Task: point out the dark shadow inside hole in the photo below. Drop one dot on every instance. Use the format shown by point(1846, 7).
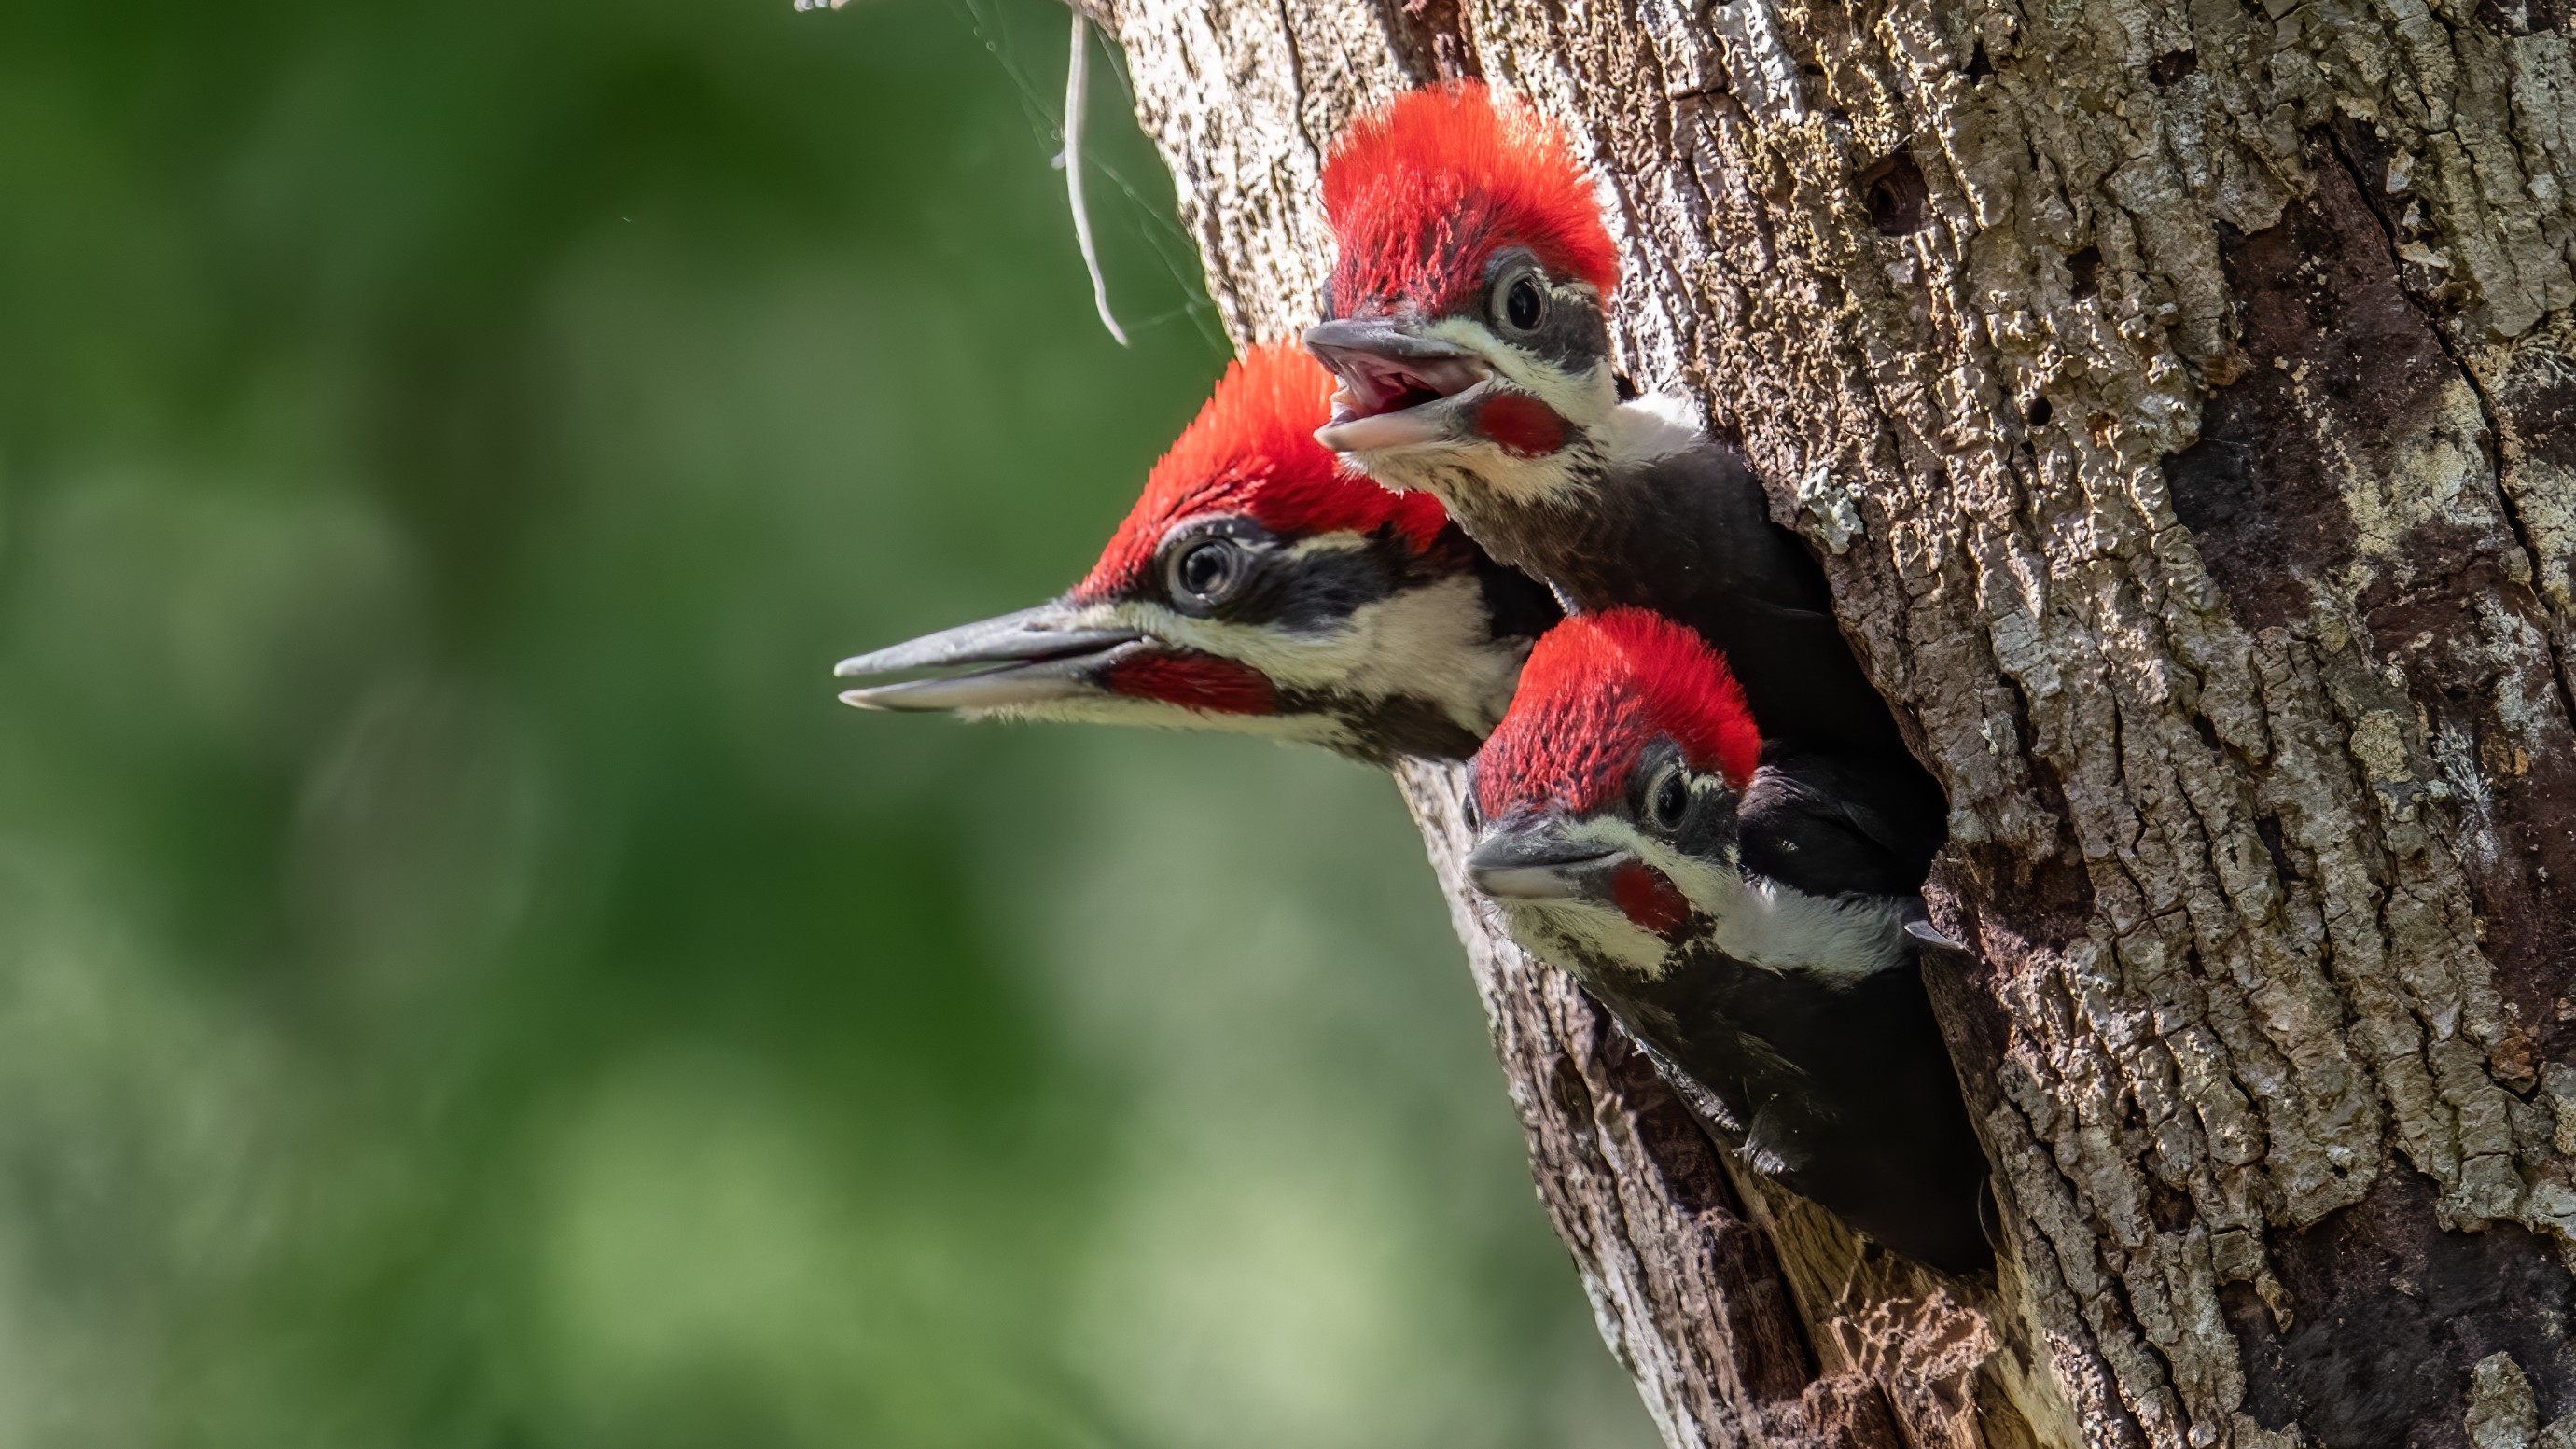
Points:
point(1897, 199)
point(2277, 845)
point(2039, 412)
point(2172, 66)
point(1979, 67)
point(2085, 267)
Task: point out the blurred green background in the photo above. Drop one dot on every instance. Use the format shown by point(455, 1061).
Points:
point(464, 981)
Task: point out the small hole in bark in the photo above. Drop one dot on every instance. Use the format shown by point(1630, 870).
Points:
point(1627, 387)
point(2172, 66)
point(1573, 1098)
point(2208, 732)
point(2038, 413)
point(2276, 845)
point(1895, 193)
point(1978, 66)
point(2086, 268)
point(2168, 1206)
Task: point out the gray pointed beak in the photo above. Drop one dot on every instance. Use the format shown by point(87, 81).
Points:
point(1384, 337)
point(1045, 632)
point(1398, 389)
point(1534, 861)
point(1035, 656)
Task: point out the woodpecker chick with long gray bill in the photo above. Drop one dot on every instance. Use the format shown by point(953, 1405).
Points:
point(1744, 911)
point(1466, 317)
point(1254, 587)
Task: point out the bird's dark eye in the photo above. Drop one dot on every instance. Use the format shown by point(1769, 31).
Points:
point(1669, 800)
point(1524, 303)
point(1207, 571)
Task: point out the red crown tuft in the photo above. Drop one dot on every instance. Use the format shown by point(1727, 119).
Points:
point(1421, 192)
point(1252, 450)
point(1597, 690)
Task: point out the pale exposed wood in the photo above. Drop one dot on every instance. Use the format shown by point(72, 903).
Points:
point(2183, 398)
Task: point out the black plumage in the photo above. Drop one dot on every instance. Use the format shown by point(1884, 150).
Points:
point(1840, 1091)
point(1743, 914)
point(1688, 535)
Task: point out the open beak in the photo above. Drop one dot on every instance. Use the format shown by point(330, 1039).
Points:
point(1532, 860)
point(1036, 656)
point(1398, 389)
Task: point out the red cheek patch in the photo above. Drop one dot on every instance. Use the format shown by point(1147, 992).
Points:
point(1521, 423)
point(1645, 897)
point(1194, 681)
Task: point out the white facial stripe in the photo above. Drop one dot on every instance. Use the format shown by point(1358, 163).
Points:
point(1759, 921)
point(1458, 469)
point(1655, 426)
point(1579, 933)
point(1584, 399)
point(1582, 937)
point(1763, 923)
point(1341, 541)
point(1462, 472)
point(1769, 925)
point(1434, 642)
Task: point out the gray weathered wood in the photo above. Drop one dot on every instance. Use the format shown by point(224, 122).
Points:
point(2182, 395)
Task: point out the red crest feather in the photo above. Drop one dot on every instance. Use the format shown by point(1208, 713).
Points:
point(1597, 690)
point(1252, 450)
point(1422, 191)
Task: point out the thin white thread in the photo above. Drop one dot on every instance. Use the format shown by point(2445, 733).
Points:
point(1077, 79)
point(1172, 247)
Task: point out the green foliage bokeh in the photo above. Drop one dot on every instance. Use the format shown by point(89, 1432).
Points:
point(463, 979)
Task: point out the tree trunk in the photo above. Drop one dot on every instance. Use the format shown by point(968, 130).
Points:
point(2182, 397)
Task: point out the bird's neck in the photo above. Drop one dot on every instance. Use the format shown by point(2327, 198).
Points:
point(1778, 928)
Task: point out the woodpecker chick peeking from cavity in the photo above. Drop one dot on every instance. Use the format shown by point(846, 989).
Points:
point(1743, 909)
point(1466, 313)
point(1254, 587)
point(1466, 318)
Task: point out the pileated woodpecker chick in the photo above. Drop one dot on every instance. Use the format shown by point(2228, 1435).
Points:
point(1466, 319)
point(1258, 588)
point(1743, 910)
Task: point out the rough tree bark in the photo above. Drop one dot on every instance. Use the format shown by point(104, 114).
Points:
point(2182, 396)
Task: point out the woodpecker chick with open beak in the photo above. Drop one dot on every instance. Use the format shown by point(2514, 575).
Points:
point(1466, 314)
point(1744, 911)
point(1254, 587)
point(1466, 317)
